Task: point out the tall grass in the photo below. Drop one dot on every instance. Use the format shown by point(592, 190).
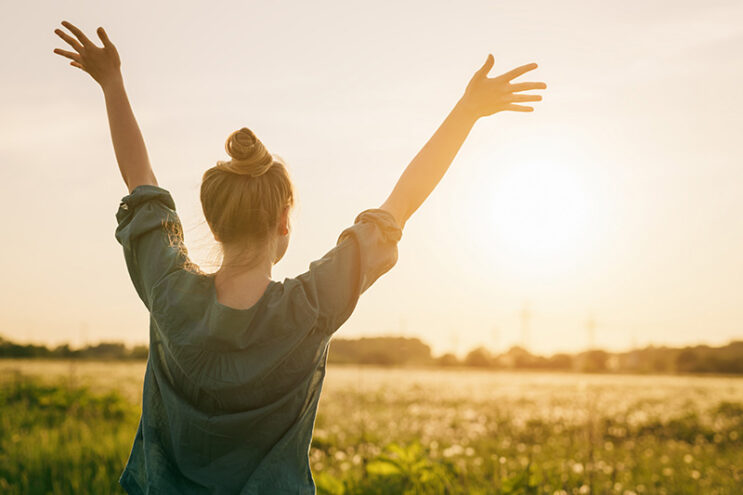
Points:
point(421, 432)
point(62, 439)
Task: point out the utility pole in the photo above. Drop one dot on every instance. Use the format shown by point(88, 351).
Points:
point(525, 320)
point(591, 331)
point(83, 334)
point(455, 343)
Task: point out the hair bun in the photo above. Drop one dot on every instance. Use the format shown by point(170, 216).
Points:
point(249, 155)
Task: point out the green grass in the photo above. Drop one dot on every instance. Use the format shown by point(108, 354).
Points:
point(62, 439)
point(392, 431)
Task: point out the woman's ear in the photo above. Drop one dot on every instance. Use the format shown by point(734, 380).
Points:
point(284, 222)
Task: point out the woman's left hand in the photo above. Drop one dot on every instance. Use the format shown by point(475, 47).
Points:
point(486, 96)
point(102, 63)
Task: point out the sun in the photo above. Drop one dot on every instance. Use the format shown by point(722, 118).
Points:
point(540, 212)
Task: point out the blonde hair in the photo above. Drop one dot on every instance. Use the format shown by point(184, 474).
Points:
point(243, 198)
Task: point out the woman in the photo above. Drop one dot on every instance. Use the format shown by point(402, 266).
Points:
point(237, 360)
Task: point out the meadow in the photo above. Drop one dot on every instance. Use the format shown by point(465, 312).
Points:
point(67, 427)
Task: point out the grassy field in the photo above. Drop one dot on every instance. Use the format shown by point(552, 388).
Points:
point(68, 427)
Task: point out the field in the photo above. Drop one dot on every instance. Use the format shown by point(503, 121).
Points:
point(67, 428)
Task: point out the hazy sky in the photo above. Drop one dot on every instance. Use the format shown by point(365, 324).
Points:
point(619, 197)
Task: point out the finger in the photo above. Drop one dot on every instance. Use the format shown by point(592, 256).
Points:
point(79, 34)
point(70, 55)
point(104, 37)
point(518, 108)
point(483, 71)
point(70, 40)
point(78, 65)
point(512, 74)
point(526, 98)
point(526, 86)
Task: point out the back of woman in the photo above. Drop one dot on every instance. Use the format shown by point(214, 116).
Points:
point(237, 359)
point(230, 395)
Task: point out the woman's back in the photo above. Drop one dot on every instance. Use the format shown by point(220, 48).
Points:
point(230, 394)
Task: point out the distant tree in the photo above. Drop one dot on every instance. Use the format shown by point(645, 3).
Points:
point(139, 352)
point(63, 351)
point(561, 362)
point(448, 359)
point(519, 357)
point(380, 350)
point(594, 361)
point(687, 360)
point(106, 350)
point(479, 357)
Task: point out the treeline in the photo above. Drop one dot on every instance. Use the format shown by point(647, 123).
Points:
point(103, 350)
point(402, 351)
point(726, 359)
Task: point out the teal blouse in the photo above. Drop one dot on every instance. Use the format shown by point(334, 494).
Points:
point(230, 395)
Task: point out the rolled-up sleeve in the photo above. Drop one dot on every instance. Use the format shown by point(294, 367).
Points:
point(363, 253)
point(151, 234)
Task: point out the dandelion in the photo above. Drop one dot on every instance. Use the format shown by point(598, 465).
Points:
point(452, 451)
point(688, 458)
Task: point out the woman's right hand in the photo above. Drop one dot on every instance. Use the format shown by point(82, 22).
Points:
point(486, 96)
point(102, 63)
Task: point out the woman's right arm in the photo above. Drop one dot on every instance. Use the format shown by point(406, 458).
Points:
point(483, 96)
point(104, 65)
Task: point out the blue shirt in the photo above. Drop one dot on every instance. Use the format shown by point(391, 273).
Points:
point(230, 395)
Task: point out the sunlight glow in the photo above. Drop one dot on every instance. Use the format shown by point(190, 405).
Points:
point(541, 211)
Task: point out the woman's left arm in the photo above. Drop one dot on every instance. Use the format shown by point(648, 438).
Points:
point(104, 65)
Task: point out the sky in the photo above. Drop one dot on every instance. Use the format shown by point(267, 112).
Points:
point(616, 201)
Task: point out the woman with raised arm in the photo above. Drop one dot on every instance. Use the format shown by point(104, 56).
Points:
point(237, 360)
